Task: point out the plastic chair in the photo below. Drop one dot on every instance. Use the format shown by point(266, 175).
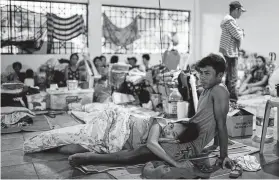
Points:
point(269, 104)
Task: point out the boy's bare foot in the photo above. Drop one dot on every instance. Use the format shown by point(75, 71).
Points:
point(77, 159)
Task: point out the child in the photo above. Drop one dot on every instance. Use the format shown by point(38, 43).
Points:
point(29, 78)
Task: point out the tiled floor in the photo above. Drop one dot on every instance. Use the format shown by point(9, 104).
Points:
point(15, 165)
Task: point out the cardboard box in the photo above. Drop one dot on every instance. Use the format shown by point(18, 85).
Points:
point(240, 123)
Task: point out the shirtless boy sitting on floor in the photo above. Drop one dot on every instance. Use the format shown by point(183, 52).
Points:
point(211, 115)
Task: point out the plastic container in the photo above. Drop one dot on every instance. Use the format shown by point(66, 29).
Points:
point(174, 98)
point(59, 99)
point(37, 101)
point(72, 84)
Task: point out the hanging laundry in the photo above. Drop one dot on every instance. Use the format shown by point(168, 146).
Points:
point(120, 36)
point(19, 34)
point(171, 59)
point(65, 29)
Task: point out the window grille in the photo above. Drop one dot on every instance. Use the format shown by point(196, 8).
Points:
point(172, 22)
point(21, 19)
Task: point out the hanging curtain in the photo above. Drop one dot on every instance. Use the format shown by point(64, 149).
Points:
point(63, 29)
point(15, 29)
point(120, 36)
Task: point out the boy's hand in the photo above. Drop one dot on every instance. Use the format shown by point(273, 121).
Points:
point(209, 149)
point(224, 161)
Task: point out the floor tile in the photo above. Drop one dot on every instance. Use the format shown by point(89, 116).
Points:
point(46, 156)
point(271, 170)
point(95, 176)
point(23, 171)
point(11, 135)
point(14, 157)
point(56, 169)
point(11, 143)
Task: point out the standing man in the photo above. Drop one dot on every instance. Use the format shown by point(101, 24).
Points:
point(231, 38)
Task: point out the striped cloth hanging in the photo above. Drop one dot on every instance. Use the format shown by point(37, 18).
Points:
point(65, 29)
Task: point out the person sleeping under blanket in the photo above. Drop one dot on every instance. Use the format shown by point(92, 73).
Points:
point(210, 118)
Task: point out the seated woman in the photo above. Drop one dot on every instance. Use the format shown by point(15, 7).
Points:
point(72, 71)
point(101, 67)
point(16, 76)
point(257, 79)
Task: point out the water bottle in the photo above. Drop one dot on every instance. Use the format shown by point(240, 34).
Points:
point(259, 126)
point(174, 98)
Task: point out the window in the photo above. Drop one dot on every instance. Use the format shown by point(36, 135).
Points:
point(133, 30)
point(26, 28)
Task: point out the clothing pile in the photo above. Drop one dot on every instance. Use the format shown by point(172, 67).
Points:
point(16, 117)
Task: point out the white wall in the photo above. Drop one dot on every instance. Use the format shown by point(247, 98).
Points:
point(260, 23)
point(95, 30)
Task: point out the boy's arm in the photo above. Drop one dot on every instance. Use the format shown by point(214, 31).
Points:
point(154, 146)
point(221, 108)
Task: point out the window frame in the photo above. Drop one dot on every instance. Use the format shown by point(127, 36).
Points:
point(161, 32)
point(55, 42)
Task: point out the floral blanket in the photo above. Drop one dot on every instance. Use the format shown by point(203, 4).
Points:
point(106, 131)
point(139, 119)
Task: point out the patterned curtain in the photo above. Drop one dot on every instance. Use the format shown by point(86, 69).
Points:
point(120, 36)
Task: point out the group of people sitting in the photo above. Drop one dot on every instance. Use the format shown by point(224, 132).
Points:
point(18, 76)
point(72, 71)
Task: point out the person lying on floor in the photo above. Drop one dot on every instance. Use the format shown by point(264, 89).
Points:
point(210, 118)
point(257, 79)
point(108, 128)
